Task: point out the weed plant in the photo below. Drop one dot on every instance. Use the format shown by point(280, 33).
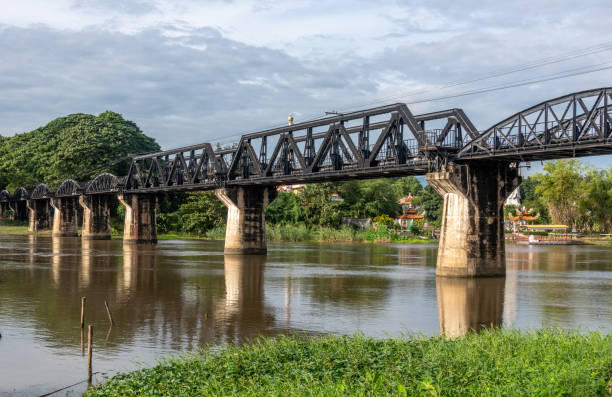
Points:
point(492, 363)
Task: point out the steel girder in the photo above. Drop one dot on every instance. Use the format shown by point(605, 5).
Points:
point(68, 188)
point(195, 165)
point(387, 140)
point(577, 124)
point(103, 183)
point(41, 191)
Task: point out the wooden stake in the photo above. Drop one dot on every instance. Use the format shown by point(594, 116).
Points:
point(89, 351)
point(82, 343)
point(83, 311)
point(110, 316)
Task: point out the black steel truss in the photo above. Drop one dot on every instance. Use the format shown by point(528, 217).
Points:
point(573, 125)
point(41, 191)
point(68, 188)
point(383, 141)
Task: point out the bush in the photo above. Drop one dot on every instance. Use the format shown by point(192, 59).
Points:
point(493, 363)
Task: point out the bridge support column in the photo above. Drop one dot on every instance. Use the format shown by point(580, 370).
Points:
point(65, 216)
point(140, 219)
point(96, 216)
point(246, 220)
point(4, 207)
point(472, 232)
point(19, 211)
point(39, 215)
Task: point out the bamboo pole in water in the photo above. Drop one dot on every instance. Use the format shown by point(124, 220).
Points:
point(110, 316)
point(83, 298)
point(89, 351)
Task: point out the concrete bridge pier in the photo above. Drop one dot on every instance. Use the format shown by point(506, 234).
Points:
point(140, 217)
point(472, 232)
point(4, 207)
point(96, 216)
point(39, 215)
point(246, 220)
point(65, 216)
point(19, 211)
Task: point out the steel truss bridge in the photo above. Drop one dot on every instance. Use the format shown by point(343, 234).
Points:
point(378, 142)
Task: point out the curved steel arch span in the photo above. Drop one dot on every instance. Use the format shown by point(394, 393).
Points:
point(21, 194)
point(41, 191)
point(103, 183)
point(67, 188)
point(577, 124)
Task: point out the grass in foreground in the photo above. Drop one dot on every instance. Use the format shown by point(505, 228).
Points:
point(508, 363)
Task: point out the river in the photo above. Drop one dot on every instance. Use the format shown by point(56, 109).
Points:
point(180, 294)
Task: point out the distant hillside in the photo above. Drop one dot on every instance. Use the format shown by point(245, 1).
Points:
point(77, 146)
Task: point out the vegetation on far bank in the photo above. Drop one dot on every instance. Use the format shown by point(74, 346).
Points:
point(497, 363)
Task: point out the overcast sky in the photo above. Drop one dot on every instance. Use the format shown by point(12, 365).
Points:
point(204, 71)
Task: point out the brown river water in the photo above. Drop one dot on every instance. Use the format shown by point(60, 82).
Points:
point(181, 294)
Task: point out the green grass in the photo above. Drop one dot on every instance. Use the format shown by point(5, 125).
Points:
point(492, 363)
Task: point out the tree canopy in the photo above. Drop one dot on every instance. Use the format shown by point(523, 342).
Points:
point(77, 146)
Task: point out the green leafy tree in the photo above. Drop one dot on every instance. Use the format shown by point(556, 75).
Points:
point(78, 146)
point(595, 202)
point(318, 206)
point(406, 185)
point(533, 201)
point(286, 208)
point(369, 198)
point(201, 212)
point(560, 189)
point(431, 202)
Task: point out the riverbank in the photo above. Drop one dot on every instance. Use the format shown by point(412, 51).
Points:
point(510, 363)
point(292, 233)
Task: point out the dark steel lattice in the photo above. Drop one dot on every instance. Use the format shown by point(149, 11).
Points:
point(41, 191)
point(573, 125)
point(21, 194)
point(103, 183)
point(68, 188)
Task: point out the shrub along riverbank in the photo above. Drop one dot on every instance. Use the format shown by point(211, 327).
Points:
point(275, 233)
point(508, 363)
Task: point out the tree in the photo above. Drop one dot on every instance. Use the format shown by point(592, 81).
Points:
point(318, 207)
point(560, 189)
point(595, 202)
point(532, 201)
point(286, 208)
point(406, 185)
point(369, 198)
point(202, 212)
point(432, 203)
point(78, 146)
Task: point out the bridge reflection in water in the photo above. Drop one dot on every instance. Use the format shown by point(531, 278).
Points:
point(179, 295)
point(469, 304)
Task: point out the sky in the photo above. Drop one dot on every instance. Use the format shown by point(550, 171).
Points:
point(191, 71)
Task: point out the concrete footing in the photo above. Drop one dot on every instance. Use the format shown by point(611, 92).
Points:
point(472, 232)
point(39, 215)
point(140, 217)
point(246, 221)
point(65, 217)
point(96, 216)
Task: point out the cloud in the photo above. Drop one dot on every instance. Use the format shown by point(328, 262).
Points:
point(190, 72)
